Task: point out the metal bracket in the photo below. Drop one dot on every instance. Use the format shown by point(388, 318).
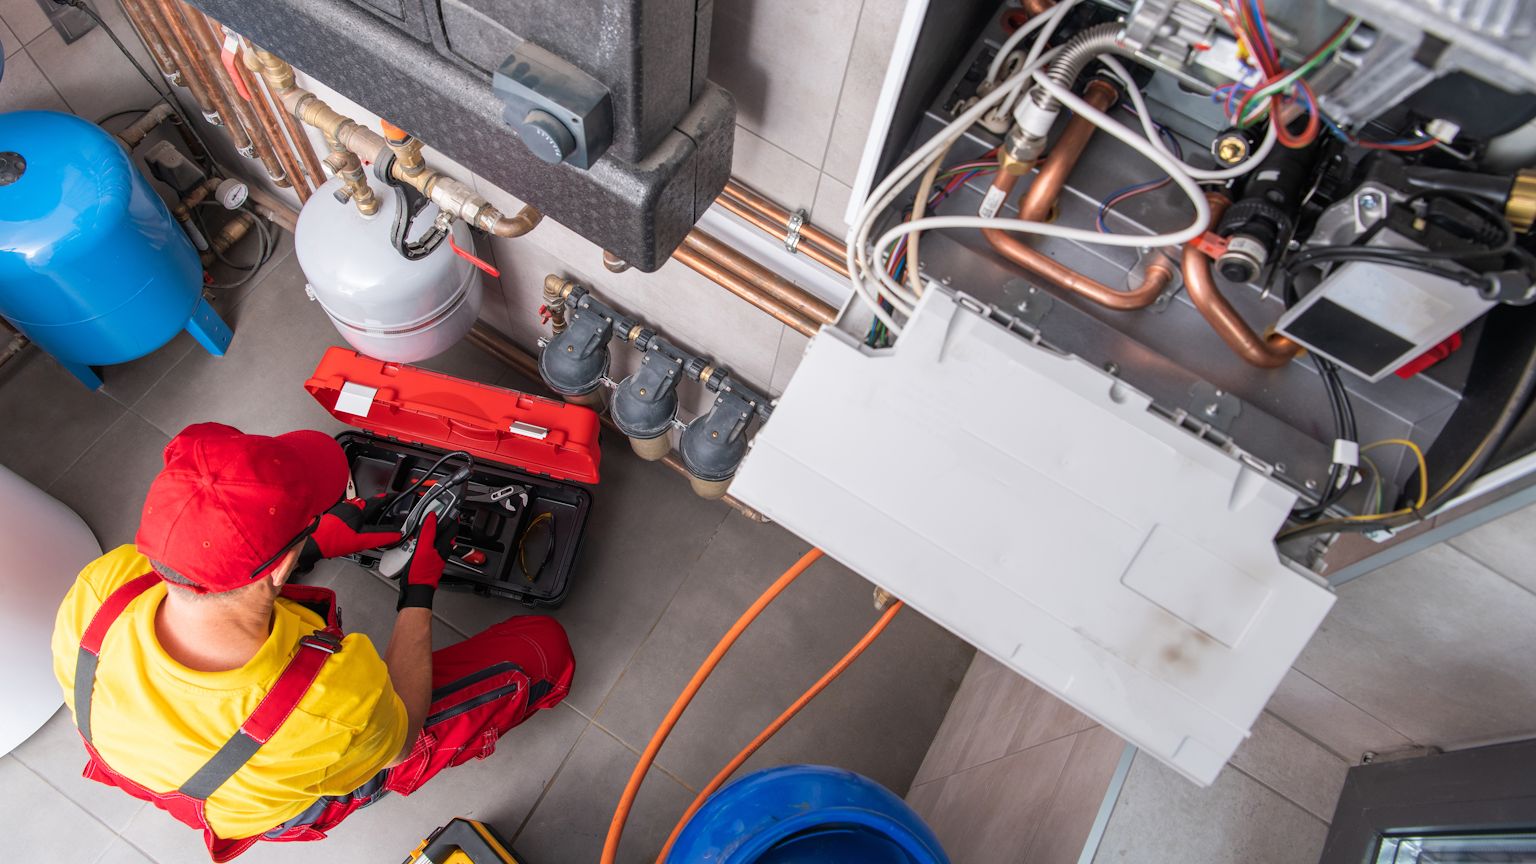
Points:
point(1033, 304)
point(1138, 272)
point(1213, 406)
point(797, 221)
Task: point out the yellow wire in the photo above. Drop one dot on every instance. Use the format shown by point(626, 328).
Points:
point(1418, 454)
point(1405, 511)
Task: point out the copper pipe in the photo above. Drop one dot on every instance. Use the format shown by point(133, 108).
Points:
point(1038, 7)
point(274, 209)
point(298, 141)
point(266, 119)
point(181, 51)
point(773, 211)
point(1037, 204)
point(767, 282)
point(490, 340)
point(154, 40)
point(196, 27)
point(1055, 168)
point(1266, 352)
point(689, 256)
point(834, 261)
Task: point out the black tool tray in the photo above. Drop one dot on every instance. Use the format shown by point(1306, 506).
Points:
point(381, 465)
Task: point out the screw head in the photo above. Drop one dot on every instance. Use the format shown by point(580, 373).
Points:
point(1311, 484)
point(1112, 368)
point(1230, 149)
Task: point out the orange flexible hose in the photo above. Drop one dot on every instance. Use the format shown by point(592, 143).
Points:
point(772, 728)
point(627, 800)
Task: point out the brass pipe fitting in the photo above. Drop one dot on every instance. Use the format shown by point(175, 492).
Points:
point(1520, 207)
point(451, 196)
point(613, 263)
point(300, 143)
point(345, 164)
point(1036, 207)
point(556, 289)
point(228, 236)
point(1266, 352)
point(406, 147)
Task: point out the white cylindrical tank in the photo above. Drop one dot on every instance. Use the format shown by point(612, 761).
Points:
point(385, 305)
point(43, 547)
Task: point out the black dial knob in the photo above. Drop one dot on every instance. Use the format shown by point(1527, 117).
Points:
point(546, 136)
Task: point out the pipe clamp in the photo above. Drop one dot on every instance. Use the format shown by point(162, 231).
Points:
point(792, 238)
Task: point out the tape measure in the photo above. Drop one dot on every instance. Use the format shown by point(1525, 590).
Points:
point(463, 841)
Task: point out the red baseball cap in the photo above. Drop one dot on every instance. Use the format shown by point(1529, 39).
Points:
point(227, 504)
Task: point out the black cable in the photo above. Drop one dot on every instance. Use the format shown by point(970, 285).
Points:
point(101, 121)
point(81, 5)
point(1514, 408)
point(1339, 475)
point(430, 471)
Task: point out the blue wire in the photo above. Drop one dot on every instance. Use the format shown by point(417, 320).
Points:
point(1263, 27)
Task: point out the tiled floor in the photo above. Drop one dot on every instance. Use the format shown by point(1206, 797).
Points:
point(661, 574)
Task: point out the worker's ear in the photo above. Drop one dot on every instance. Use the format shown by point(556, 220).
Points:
point(285, 567)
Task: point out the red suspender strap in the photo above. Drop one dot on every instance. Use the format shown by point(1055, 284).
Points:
point(90, 645)
point(264, 722)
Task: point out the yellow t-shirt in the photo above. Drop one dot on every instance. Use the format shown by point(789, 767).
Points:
point(156, 721)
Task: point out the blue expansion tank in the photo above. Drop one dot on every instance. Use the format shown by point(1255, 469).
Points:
point(93, 268)
point(806, 814)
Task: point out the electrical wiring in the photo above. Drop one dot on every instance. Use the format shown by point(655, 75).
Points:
point(1373, 503)
point(267, 244)
point(1119, 131)
point(1418, 453)
point(1401, 145)
point(1139, 103)
point(1340, 475)
point(1000, 59)
point(863, 272)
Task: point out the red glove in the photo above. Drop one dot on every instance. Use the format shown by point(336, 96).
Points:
point(425, 571)
point(340, 532)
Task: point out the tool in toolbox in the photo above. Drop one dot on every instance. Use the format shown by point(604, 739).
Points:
point(464, 841)
point(532, 456)
point(512, 498)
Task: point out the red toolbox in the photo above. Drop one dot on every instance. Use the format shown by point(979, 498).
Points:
point(522, 545)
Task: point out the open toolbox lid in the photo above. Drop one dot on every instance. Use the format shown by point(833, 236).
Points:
point(409, 404)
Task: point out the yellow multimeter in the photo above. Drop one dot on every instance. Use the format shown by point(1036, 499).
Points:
point(463, 841)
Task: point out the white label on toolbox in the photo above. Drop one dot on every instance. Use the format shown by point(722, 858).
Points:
point(528, 430)
point(356, 399)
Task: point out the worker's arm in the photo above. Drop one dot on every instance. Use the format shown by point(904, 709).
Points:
point(409, 658)
point(409, 655)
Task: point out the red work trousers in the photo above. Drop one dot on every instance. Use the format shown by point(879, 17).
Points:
point(481, 688)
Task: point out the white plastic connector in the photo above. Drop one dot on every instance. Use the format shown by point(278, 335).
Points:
point(1346, 453)
point(1036, 122)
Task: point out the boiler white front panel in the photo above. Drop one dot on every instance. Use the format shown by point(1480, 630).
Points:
point(1032, 504)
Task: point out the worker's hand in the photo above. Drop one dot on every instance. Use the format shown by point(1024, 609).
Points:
point(340, 532)
point(433, 546)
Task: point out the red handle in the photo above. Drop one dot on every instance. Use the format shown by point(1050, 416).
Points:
point(470, 257)
point(228, 56)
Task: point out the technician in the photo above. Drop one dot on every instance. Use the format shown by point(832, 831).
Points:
point(205, 683)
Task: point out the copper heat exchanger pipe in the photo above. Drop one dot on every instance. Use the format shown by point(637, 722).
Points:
point(1036, 207)
point(180, 50)
point(1268, 352)
point(268, 129)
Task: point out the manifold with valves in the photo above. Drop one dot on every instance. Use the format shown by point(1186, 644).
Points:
point(1187, 310)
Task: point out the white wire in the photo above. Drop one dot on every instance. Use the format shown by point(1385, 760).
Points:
point(1142, 145)
point(1001, 58)
point(858, 258)
point(1271, 135)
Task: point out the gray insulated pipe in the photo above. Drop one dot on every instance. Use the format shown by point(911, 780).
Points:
point(1075, 57)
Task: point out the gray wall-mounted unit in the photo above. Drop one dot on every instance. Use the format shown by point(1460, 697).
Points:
point(595, 111)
